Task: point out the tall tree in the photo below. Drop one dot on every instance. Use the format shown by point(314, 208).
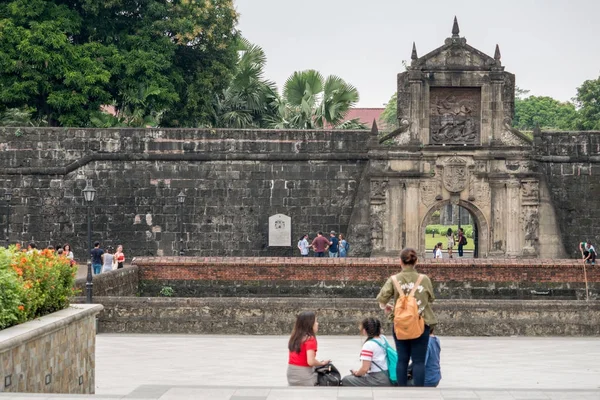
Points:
point(250, 100)
point(588, 102)
point(545, 112)
point(311, 101)
point(390, 115)
point(66, 58)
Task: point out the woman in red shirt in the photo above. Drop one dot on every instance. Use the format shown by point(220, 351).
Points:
point(303, 351)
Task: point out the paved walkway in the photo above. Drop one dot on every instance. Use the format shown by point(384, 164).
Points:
point(253, 368)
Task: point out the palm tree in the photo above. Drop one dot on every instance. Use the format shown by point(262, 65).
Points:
point(250, 100)
point(310, 101)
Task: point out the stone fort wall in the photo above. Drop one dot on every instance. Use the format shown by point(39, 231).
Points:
point(570, 163)
point(234, 180)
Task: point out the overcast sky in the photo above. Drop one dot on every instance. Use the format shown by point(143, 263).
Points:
point(551, 45)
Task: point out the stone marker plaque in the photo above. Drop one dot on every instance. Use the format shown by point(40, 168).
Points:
point(455, 115)
point(280, 231)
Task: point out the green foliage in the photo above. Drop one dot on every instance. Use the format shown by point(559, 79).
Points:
point(442, 229)
point(588, 102)
point(33, 284)
point(166, 291)
point(545, 112)
point(390, 115)
point(310, 101)
point(65, 59)
point(250, 101)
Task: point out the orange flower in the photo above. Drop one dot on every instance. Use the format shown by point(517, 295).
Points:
point(21, 308)
point(27, 285)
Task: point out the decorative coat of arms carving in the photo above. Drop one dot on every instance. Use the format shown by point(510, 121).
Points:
point(455, 175)
point(428, 193)
point(530, 192)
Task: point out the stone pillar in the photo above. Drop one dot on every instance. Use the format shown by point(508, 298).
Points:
point(530, 221)
point(411, 214)
point(513, 219)
point(379, 191)
point(417, 134)
point(394, 224)
point(498, 220)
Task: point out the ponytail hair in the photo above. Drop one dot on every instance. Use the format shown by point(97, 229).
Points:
point(372, 326)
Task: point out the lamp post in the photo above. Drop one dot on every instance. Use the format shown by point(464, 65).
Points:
point(180, 201)
point(7, 197)
point(89, 193)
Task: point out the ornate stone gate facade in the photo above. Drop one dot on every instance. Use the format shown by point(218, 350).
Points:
point(456, 145)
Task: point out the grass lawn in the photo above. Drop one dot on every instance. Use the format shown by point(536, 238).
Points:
point(430, 243)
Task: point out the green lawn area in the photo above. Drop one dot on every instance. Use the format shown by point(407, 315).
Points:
point(430, 242)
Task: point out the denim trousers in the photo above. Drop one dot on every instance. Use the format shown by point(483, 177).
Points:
point(415, 349)
point(460, 250)
point(97, 268)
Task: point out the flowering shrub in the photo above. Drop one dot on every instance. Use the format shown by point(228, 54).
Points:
point(33, 284)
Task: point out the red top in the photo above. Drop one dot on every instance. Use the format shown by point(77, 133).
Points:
point(300, 359)
point(320, 243)
point(121, 257)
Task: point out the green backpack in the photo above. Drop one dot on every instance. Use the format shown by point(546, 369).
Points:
point(392, 360)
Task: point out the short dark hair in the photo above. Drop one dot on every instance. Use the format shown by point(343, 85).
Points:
point(32, 245)
point(320, 233)
point(96, 244)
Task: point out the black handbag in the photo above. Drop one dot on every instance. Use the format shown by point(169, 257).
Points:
point(328, 375)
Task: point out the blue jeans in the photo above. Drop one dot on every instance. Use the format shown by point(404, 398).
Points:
point(97, 268)
point(319, 254)
point(415, 349)
point(334, 255)
point(460, 250)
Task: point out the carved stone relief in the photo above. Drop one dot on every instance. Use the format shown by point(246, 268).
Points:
point(455, 175)
point(428, 192)
point(480, 192)
point(530, 192)
point(455, 115)
point(379, 190)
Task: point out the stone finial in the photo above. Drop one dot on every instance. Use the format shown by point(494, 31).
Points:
point(414, 56)
point(497, 54)
point(374, 129)
point(455, 29)
point(536, 130)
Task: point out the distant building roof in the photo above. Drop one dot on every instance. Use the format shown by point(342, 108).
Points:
point(366, 115)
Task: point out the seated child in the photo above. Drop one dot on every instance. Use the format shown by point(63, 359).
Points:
point(374, 367)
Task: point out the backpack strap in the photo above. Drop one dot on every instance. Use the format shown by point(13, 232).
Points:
point(397, 286)
point(417, 283)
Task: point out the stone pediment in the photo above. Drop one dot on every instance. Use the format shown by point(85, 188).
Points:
point(456, 54)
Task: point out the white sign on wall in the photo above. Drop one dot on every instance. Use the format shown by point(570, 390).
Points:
point(280, 231)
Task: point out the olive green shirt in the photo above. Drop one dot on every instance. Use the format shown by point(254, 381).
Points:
point(424, 294)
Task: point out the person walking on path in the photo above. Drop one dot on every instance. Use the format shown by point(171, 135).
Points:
point(320, 245)
point(97, 254)
point(450, 240)
point(462, 240)
point(373, 356)
point(333, 245)
point(410, 282)
point(303, 246)
point(302, 348)
point(120, 257)
point(108, 260)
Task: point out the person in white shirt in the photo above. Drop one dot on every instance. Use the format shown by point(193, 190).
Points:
point(373, 370)
point(303, 246)
point(438, 250)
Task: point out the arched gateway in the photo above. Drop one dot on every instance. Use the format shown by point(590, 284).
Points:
point(456, 145)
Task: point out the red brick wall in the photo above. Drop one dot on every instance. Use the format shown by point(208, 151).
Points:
point(360, 269)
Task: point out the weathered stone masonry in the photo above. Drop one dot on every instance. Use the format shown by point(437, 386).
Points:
point(233, 181)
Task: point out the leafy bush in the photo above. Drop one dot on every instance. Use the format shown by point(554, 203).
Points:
point(33, 284)
point(167, 291)
point(442, 229)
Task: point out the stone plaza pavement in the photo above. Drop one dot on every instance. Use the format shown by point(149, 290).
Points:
point(253, 367)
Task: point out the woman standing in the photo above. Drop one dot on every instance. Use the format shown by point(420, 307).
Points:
point(415, 349)
point(120, 257)
point(343, 246)
point(461, 241)
point(373, 370)
point(450, 240)
point(108, 260)
point(303, 351)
